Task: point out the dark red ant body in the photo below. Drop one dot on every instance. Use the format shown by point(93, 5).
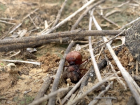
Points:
point(74, 59)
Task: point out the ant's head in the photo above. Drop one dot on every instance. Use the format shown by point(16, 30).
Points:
point(74, 58)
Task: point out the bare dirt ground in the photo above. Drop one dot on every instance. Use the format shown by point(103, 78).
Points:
point(21, 89)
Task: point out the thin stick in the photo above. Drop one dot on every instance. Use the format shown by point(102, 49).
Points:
point(101, 65)
point(18, 25)
point(109, 40)
point(129, 80)
point(129, 23)
point(114, 98)
point(48, 96)
point(71, 91)
point(43, 88)
point(118, 79)
point(74, 88)
point(20, 61)
point(93, 88)
point(75, 34)
point(108, 20)
point(101, 94)
point(137, 67)
point(7, 18)
point(15, 27)
point(112, 12)
point(58, 74)
point(94, 63)
point(71, 16)
point(7, 22)
point(59, 13)
point(33, 22)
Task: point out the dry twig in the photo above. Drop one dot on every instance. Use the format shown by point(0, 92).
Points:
point(71, 16)
point(59, 13)
point(109, 40)
point(44, 87)
point(101, 94)
point(74, 33)
point(19, 24)
point(92, 89)
point(58, 74)
point(7, 22)
point(48, 96)
point(85, 13)
point(20, 61)
point(118, 79)
point(94, 63)
point(110, 21)
point(129, 23)
point(74, 88)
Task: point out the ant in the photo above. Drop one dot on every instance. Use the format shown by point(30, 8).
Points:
point(74, 58)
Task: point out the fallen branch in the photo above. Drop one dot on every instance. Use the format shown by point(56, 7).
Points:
point(74, 33)
point(37, 44)
point(15, 46)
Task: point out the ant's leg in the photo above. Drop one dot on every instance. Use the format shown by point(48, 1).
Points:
point(83, 69)
point(66, 66)
point(85, 61)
